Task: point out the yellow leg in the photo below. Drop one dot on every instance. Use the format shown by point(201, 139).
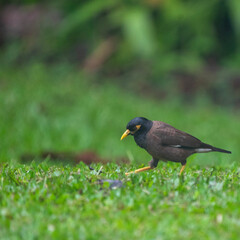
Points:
point(139, 170)
point(183, 167)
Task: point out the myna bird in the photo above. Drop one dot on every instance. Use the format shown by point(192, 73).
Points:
point(164, 142)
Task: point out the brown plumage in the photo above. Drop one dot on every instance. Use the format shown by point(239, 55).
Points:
point(164, 142)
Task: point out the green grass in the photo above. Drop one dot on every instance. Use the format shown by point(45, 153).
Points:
point(60, 109)
point(56, 202)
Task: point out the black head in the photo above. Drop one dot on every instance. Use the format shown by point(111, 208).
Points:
point(136, 126)
point(136, 122)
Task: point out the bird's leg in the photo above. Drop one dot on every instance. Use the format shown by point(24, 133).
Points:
point(182, 169)
point(153, 163)
point(138, 170)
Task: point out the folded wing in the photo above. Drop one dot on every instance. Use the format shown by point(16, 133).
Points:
point(173, 137)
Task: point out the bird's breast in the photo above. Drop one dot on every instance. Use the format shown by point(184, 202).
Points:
point(140, 139)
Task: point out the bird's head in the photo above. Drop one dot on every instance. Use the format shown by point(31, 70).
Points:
point(138, 124)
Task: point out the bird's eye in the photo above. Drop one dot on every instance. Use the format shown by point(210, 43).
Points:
point(135, 128)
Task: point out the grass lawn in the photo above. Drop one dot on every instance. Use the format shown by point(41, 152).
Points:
point(57, 108)
point(45, 202)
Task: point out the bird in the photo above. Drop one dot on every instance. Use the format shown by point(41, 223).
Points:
point(164, 142)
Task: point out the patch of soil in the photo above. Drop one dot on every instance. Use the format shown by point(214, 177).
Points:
point(87, 157)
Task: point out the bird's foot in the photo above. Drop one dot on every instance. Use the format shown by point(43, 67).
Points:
point(138, 170)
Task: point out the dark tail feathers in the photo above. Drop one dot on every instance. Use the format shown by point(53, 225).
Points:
point(204, 145)
point(220, 150)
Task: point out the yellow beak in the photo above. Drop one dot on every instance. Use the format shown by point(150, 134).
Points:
point(125, 134)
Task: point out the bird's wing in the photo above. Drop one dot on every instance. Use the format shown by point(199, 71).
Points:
point(171, 136)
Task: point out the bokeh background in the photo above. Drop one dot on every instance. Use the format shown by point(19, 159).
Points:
point(73, 73)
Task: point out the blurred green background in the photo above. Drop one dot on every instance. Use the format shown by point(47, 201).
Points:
point(73, 73)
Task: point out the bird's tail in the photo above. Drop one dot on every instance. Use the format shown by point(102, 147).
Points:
point(215, 149)
point(220, 150)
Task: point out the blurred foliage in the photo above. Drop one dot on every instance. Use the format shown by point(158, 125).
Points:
point(178, 32)
point(146, 39)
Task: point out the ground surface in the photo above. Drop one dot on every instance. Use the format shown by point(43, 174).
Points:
point(57, 109)
point(46, 202)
